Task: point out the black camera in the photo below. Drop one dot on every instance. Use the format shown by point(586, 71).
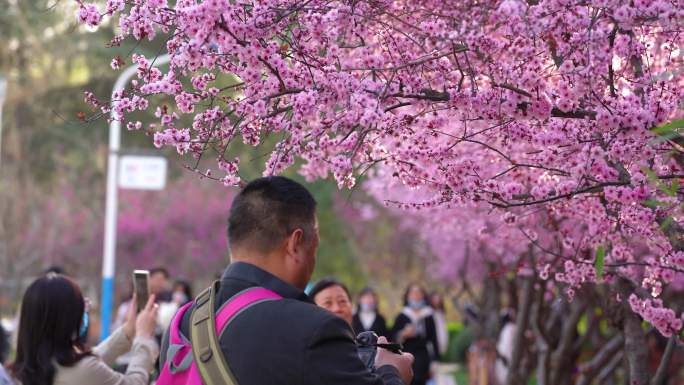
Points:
point(367, 343)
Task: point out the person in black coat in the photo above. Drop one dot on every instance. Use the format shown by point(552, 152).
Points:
point(273, 237)
point(415, 328)
point(4, 345)
point(367, 317)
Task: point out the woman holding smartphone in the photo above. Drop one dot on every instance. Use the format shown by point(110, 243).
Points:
point(52, 328)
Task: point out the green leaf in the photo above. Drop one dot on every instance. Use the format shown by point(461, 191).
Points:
point(668, 131)
point(673, 188)
point(652, 176)
point(652, 203)
point(666, 223)
point(598, 262)
point(674, 125)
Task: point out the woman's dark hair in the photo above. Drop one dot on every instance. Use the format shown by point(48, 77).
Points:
point(51, 316)
point(408, 289)
point(4, 345)
point(326, 283)
point(440, 305)
point(160, 270)
point(364, 292)
point(187, 289)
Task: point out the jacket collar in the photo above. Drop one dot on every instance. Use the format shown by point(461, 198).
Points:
point(416, 316)
point(243, 271)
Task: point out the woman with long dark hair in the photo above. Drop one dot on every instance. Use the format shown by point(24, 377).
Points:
point(414, 327)
point(50, 344)
point(367, 316)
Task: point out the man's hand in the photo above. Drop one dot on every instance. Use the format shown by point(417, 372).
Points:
point(403, 362)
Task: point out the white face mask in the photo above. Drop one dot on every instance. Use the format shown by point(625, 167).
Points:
point(179, 297)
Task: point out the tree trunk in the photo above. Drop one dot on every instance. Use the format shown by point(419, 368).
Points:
point(635, 349)
point(635, 340)
point(490, 309)
point(561, 358)
point(521, 323)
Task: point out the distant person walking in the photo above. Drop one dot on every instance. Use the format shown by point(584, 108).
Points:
point(504, 346)
point(367, 316)
point(414, 327)
point(50, 347)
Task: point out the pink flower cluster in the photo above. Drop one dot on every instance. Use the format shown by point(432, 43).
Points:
point(89, 14)
point(525, 124)
point(652, 310)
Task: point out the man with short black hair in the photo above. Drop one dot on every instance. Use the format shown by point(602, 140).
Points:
point(273, 237)
point(159, 284)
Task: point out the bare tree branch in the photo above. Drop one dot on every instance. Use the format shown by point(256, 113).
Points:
point(664, 362)
point(592, 368)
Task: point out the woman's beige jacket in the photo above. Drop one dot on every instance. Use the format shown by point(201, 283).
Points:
point(96, 369)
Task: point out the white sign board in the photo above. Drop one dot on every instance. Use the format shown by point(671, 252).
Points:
point(142, 172)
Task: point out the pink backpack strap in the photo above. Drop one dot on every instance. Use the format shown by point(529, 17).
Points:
point(240, 302)
point(177, 357)
point(174, 331)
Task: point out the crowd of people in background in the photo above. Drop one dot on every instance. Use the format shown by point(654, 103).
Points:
point(274, 254)
point(420, 326)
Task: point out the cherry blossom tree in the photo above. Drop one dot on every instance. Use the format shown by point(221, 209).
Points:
point(554, 120)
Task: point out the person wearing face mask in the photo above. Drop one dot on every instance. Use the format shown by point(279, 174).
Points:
point(182, 293)
point(367, 317)
point(52, 331)
point(415, 328)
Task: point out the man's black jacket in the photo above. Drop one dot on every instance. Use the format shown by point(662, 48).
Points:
point(289, 341)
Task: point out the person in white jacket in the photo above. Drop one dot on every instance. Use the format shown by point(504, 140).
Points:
point(504, 346)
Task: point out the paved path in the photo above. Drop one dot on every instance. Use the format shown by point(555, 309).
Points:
point(444, 374)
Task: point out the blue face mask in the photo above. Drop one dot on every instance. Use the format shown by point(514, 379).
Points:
point(367, 307)
point(416, 304)
point(84, 325)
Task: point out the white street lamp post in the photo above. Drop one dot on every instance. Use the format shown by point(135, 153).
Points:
point(109, 251)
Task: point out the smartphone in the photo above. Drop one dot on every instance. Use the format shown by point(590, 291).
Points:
point(141, 286)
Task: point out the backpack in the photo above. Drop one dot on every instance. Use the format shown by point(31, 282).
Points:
point(202, 362)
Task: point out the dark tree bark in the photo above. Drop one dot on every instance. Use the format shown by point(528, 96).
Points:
point(491, 307)
point(635, 340)
point(561, 361)
point(521, 322)
point(664, 365)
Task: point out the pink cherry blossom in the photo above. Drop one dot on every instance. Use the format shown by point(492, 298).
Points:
point(495, 130)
